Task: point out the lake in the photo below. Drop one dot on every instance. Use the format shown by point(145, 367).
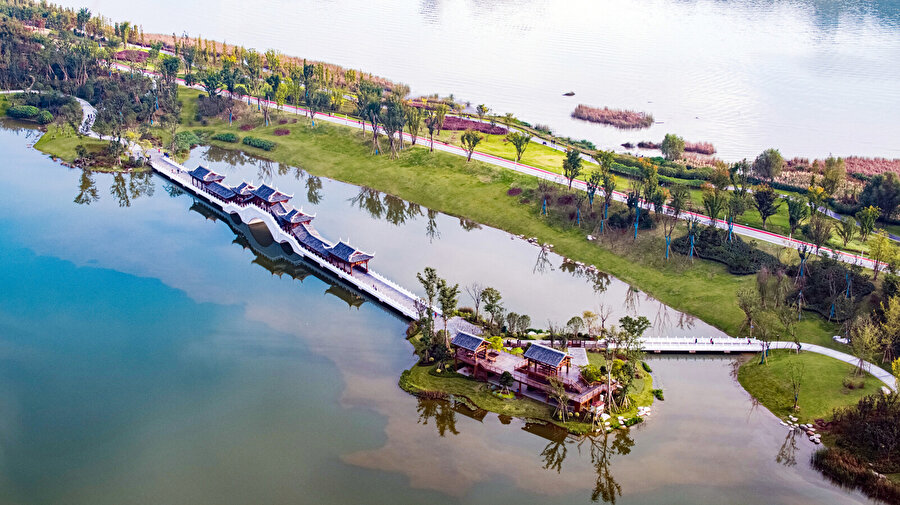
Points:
point(810, 77)
point(153, 351)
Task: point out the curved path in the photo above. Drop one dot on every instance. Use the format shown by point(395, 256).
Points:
point(729, 345)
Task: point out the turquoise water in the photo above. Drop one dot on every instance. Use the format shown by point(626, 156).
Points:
point(156, 353)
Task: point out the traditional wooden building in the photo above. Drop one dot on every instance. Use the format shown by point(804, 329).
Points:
point(293, 218)
point(346, 257)
point(243, 192)
point(469, 347)
point(201, 176)
point(265, 197)
point(545, 361)
point(220, 191)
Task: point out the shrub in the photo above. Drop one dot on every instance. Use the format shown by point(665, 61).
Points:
point(23, 112)
point(132, 55)
point(591, 374)
point(247, 127)
point(514, 191)
point(266, 145)
point(225, 137)
point(184, 141)
point(282, 132)
point(634, 420)
point(825, 282)
point(458, 123)
point(658, 393)
point(646, 367)
point(712, 244)
point(44, 117)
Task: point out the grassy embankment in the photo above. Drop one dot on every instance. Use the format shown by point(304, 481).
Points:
point(447, 183)
point(821, 388)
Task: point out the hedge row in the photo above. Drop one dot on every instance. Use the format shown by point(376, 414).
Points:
point(266, 145)
point(23, 112)
point(712, 244)
point(635, 172)
point(225, 137)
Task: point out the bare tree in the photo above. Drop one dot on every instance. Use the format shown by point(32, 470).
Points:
point(475, 292)
point(795, 376)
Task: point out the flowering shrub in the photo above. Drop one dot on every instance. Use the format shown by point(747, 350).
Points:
point(458, 123)
point(132, 55)
point(514, 191)
point(869, 167)
point(247, 127)
point(282, 131)
point(625, 119)
point(282, 121)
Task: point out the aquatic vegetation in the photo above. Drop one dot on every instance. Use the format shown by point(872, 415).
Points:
point(619, 118)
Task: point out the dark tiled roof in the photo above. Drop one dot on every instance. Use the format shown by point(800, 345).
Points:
point(348, 253)
point(244, 189)
point(308, 236)
point(280, 209)
point(221, 191)
point(545, 355)
point(296, 217)
point(269, 194)
point(467, 341)
point(206, 175)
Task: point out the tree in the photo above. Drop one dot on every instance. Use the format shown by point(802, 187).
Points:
point(82, 18)
point(882, 251)
point(522, 324)
point(819, 230)
point(393, 119)
point(739, 173)
point(713, 202)
point(634, 327)
point(672, 147)
point(211, 80)
point(882, 191)
point(867, 217)
point(766, 202)
point(431, 283)
point(590, 323)
point(864, 343)
point(506, 380)
point(574, 326)
point(512, 319)
point(434, 121)
point(593, 183)
point(795, 377)
point(816, 198)
point(797, 212)
point(768, 164)
point(448, 297)
point(748, 302)
point(765, 327)
point(368, 103)
point(889, 335)
point(475, 292)
point(492, 303)
point(833, 176)
point(572, 165)
point(520, 141)
point(847, 230)
point(470, 140)
point(414, 117)
point(608, 180)
point(678, 199)
point(558, 394)
point(482, 111)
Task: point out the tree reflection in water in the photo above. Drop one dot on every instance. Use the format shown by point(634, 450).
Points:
point(396, 210)
point(313, 189)
point(542, 265)
point(173, 190)
point(442, 411)
point(119, 189)
point(369, 200)
point(87, 189)
point(431, 229)
point(141, 184)
point(602, 450)
point(787, 455)
point(599, 280)
point(468, 224)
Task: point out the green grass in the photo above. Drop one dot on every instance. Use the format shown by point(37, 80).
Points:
point(61, 142)
point(447, 183)
point(821, 389)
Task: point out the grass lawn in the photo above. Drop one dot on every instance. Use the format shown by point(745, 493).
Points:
point(477, 191)
point(821, 389)
point(61, 142)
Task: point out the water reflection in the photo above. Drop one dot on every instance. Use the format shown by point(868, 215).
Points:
point(598, 280)
point(313, 189)
point(441, 412)
point(87, 189)
point(787, 455)
point(431, 228)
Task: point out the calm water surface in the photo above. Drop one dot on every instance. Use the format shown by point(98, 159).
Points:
point(151, 351)
point(810, 77)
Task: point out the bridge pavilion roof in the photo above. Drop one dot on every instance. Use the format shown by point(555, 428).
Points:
point(204, 174)
point(223, 192)
point(295, 217)
point(269, 194)
point(345, 252)
point(244, 189)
